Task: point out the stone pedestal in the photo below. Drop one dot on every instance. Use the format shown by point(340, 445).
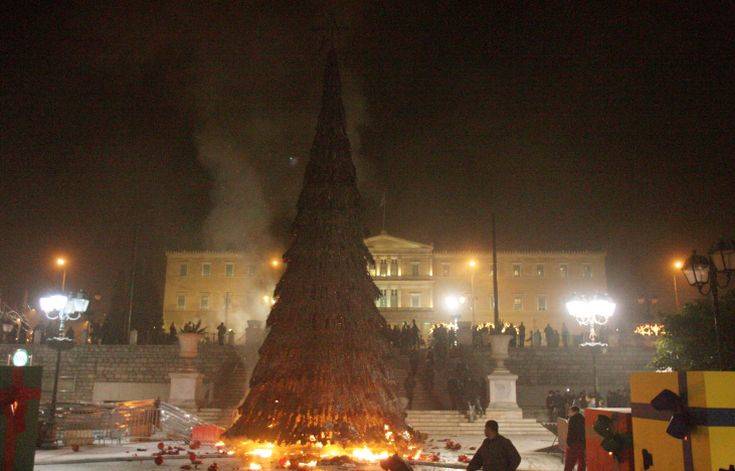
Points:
point(501, 384)
point(501, 387)
point(186, 389)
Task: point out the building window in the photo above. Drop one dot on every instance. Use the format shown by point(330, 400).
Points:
point(564, 270)
point(183, 269)
point(393, 298)
point(517, 303)
point(540, 270)
point(371, 268)
point(204, 302)
point(516, 270)
point(384, 267)
point(229, 269)
point(445, 269)
point(251, 270)
point(586, 271)
point(414, 268)
point(394, 267)
point(415, 300)
point(383, 299)
point(541, 303)
point(206, 269)
point(181, 301)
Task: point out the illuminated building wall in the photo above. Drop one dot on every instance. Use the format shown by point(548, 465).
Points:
point(533, 286)
point(414, 280)
point(215, 287)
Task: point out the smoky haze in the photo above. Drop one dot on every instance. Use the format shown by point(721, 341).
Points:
point(590, 126)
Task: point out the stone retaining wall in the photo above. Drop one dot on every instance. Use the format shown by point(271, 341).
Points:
point(538, 369)
point(82, 366)
point(542, 369)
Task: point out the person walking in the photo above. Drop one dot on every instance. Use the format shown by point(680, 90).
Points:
point(564, 335)
point(575, 442)
point(496, 453)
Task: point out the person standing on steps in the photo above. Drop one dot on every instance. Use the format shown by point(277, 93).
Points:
point(521, 335)
point(221, 331)
point(496, 453)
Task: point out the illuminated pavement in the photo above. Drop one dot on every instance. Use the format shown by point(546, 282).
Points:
point(68, 460)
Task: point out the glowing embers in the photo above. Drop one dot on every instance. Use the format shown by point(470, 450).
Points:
point(313, 452)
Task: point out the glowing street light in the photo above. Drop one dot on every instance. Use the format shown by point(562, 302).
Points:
point(63, 308)
point(596, 310)
point(275, 263)
point(593, 311)
point(472, 263)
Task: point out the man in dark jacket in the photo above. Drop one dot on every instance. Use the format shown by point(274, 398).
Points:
point(496, 453)
point(575, 441)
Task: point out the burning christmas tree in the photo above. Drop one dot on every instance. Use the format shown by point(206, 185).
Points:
point(320, 377)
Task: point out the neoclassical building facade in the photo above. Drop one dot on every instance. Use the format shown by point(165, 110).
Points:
point(415, 282)
point(418, 282)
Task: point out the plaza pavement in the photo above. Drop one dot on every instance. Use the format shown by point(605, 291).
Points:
point(129, 457)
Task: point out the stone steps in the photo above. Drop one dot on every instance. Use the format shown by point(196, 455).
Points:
point(452, 424)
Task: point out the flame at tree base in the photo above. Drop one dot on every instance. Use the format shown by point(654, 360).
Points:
point(313, 453)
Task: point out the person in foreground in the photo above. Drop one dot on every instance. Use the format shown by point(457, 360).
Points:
point(575, 442)
point(496, 453)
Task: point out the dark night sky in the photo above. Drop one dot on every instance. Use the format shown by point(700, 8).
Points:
point(582, 127)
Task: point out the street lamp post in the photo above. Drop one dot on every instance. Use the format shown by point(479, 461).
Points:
point(61, 263)
point(593, 311)
point(678, 265)
point(703, 272)
point(472, 266)
point(63, 308)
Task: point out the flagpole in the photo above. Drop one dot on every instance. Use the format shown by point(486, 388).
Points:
point(496, 304)
point(383, 203)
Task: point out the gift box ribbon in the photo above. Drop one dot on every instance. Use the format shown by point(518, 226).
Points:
point(697, 416)
point(14, 403)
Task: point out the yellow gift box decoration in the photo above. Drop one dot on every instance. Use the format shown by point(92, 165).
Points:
point(698, 406)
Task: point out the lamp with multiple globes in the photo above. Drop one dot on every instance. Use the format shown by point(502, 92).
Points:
point(453, 303)
point(64, 308)
point(710, 273)
point(593, 311)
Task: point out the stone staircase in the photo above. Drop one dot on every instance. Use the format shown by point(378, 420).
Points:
point(449, 424)
point(422, 399)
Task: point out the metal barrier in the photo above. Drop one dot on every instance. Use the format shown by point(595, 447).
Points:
point(176, 422)
point(85, 424)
